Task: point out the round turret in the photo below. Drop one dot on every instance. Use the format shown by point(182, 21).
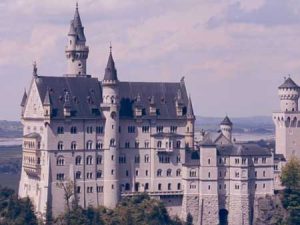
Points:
point(289, 94)
point(226, 128)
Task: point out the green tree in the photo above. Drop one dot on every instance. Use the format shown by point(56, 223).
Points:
point(290, 175)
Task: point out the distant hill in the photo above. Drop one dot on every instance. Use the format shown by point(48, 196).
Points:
point(255, 124)
point(10, 129)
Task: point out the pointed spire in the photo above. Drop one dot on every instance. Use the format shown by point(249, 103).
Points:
point(110, 71)
point(47, 99)
point(226, 121)
point(34, 72)
point(189, 110)
point(76, 26)
point(24, 99)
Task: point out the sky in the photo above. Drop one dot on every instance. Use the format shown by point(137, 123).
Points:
point(233, 53)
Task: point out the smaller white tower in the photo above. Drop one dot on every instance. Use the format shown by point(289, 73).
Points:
point(289, 94)
point(110, 109)
point(226, 128)
point(76, 50)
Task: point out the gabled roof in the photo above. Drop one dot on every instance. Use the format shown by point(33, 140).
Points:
point(289, 83)
point(110, 70)
point(33, 135)
point(226, 121)
point(24, 99)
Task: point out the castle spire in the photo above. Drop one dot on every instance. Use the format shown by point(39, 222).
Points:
point(76, 50)
point(34, 72)
point(110, 70)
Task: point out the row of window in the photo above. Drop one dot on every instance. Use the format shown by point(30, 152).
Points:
point(168, 172)
point(89, 175)
point(73, 130)
point(89, 189)
point(244, 160)
point(88, 145)
point(130, 129)
point(60, 161)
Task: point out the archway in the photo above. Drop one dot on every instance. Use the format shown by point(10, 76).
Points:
point(223, 217)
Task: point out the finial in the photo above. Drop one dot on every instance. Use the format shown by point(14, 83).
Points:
point(76, 5)
point(110, 47)
point(34, 69)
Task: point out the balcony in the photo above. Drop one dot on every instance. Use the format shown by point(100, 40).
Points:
point(152, 193)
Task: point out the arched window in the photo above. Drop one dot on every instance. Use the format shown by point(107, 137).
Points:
point(147, 158)
point(60, 161)
point(73, 145)
point(178, 172)
point(169, 172)
point(60, 145)
point(178, 186)
point(137, 159)
point(159, 144)
point(127, 187)
point(99, 159)
point(89, 145)
point(178, 144)
point(99, 145)
point(159, 171)
point(193, 173)
point(99, 174)
point(112, 142)
point(78, 175)
point(89, 160)
point(159, 187)
point(78, 160)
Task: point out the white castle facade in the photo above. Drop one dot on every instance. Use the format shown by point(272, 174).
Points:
point(112, 139)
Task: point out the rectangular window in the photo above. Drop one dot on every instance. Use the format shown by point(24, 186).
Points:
point(131, 129)
point(89, 130)
point(127, 144)
point(244, 161)
point(237, 161)
point(255, 160)
point(264, 160)
point(99, 130)
point(145, 129)
point(173, 129)
point(60, 176)
point(159, 129)
point(99, 189)
point(78, 189)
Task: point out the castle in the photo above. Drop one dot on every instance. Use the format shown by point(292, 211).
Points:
point(112, 139)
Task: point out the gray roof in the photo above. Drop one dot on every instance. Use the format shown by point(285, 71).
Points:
point(226, 121)
point(190, 111)
point(76, 27)
point(110, 70)
point(85, 95)
point(289, 83)
point(243, 150)
point(47, 100)
point(24, 99)
point(32, 135)
point(163, 134)
point(279, 157)
point(163, 93)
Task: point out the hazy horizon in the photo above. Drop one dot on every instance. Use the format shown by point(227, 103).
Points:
point(233, 54)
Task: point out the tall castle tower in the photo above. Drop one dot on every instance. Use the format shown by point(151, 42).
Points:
point(110, 108)
point(76, 50)
point(287, 120)
point(226, 128)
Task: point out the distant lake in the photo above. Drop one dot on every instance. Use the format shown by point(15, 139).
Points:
point(10, 141)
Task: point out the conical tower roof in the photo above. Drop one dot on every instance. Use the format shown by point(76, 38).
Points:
point(24, 99)
point(289, 83)
point(110, 70)
point(226, 121)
